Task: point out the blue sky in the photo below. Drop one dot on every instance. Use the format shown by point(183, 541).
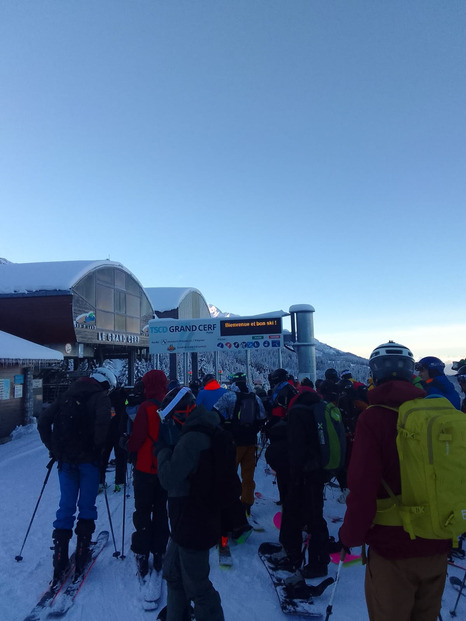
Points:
point(269, 153)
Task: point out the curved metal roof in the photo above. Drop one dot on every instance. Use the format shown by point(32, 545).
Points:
point(50, 276)
point(168, 298)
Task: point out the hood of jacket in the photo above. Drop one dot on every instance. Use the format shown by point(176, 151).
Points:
point(84, 386)
point(155, 385)
point(212, 385)
point(394, 393)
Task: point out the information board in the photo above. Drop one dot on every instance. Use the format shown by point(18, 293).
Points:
point(198, 335)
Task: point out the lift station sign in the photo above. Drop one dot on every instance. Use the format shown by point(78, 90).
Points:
point(175, 336)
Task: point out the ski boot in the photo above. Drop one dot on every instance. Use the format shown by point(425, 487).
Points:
point(83, 554)
point(61, 540)
point(158, 561)
point(142, 562)
point(83, 530)
point(316, 568)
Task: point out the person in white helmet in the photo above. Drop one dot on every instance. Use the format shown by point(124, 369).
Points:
point(405, 577)
point(74, 429)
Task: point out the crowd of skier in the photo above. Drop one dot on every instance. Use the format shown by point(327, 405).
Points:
point(194, 451)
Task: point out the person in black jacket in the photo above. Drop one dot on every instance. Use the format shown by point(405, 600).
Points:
point(195, 520)
point(115, 431)
point(74, 429)
point(304, 502)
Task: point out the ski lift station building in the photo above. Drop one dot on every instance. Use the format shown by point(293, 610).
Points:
point(92, 310)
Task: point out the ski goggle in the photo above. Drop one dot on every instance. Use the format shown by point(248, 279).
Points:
point(173, 403)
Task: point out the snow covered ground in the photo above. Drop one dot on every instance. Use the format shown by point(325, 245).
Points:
point(112, 590)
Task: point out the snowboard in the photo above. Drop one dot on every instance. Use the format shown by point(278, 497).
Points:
point(304, 607)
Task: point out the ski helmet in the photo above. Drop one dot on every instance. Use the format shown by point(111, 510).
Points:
point(278, 376)
point(208, 378)
point(391, 361)
point(345, 386)
point(174, 383)
point(104, 375)
point(178, 403)
point(432, 364)
point(329, 390)
point(461, 375)
point(238, 377)
point(346, 374)
point(331, 375)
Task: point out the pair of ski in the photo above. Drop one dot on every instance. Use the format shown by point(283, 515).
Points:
point(60, 597)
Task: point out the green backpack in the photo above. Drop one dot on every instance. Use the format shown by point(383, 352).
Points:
point(431, 445)
point(331, 435)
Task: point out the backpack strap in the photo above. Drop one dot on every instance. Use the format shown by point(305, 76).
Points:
point(391, 511)
point(157, 403)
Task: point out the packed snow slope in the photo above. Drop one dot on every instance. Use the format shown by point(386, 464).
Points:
point(112, 589)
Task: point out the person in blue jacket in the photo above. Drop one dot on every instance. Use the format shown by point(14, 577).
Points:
point(434, 381)
point(211, 392)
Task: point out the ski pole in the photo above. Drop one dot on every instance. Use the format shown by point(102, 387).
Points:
point(453, 612)
point(332, 597)
point(124, 513)
point(116, 554)
point(49, 469)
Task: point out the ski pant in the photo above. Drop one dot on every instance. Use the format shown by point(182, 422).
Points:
point(246, 458)
point(150, 516)
point(79, 484)
point(112, 443)
point(276, 455)
point(303, 510)
point(187, 575)
point(408, 589)
point(233, 517)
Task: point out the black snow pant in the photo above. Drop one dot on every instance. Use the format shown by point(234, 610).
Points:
point(112, 443)
point(150, 516)
point(303, 511)
point(187, 575)
point(276, 455)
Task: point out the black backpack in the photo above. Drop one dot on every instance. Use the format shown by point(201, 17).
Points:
point(216, 480)
point(246, 410)
point(73, 429)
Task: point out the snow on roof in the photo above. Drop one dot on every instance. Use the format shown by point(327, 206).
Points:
point(51, 276)
point(167, 298)
point(15, 349)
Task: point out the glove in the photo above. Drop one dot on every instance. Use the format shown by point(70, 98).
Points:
point(123, 442)
point(344, 549)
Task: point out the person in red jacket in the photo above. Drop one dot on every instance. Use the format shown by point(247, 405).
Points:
point(405, 577)
point(150, 499)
